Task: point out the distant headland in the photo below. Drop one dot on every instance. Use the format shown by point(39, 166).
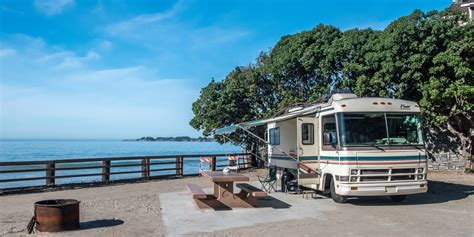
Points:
point(171, 139)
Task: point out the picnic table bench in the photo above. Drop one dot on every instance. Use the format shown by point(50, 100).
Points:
point(224, 191)
point(251, 190)
point(197, 192)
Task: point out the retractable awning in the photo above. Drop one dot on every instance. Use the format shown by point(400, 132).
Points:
point(232, 128)
point(226, 130)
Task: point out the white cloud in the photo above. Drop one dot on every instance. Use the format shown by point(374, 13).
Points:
point(162, 31)
point(141, 20)
point(52, 7)
point(73, 61)
point(53, 57)
point(105, 45)
point(7, 52)
point(170, 42)
point(38, 101)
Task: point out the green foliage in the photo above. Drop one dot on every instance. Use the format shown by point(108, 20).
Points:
point(300, 65)
point(356, 58)
point(425, 57)
point(243, 95)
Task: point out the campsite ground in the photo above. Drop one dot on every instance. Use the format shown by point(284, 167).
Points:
point(142, 209)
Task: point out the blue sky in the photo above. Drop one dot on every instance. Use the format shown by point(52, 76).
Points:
point(126, 69)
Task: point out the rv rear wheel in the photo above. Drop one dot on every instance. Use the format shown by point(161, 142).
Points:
point(398, 198)
point(335, 197)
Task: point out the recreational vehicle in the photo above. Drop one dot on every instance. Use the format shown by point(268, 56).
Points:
point(348, 146)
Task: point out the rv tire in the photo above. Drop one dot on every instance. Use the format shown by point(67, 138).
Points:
point(335, 197)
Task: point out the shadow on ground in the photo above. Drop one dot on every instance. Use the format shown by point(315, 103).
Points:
point(438, 192)
point(272, 202)
point(100, 223)
point(267, 202)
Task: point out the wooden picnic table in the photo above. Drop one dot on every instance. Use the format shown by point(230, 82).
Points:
point(224, 190)
point(224, 182)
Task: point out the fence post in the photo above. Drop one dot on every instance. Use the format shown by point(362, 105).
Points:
point(145, 169)
point(213, 163)
point(148, 167)
point(50, 173)
point(179, 165)
point(105, 170)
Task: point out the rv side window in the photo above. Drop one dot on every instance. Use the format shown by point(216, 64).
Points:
point(329, 126)
point(274, 136)
point(307, 133)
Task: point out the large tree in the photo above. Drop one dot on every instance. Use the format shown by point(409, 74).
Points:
point(245, 94)
point(357, 59)
point(426, 57)
point(299, 65)
point(447, 86)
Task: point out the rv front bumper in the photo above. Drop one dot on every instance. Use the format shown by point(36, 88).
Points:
point(381, 189)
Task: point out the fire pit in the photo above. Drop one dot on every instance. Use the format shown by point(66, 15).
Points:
point(57, 215)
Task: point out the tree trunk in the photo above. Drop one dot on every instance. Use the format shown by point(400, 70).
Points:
point(466, 146)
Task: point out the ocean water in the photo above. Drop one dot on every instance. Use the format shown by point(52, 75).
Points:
point(74, 149)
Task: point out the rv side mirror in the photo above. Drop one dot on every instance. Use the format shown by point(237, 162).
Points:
point(327, 138)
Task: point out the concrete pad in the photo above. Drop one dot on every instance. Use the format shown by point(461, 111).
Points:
point(181, 215)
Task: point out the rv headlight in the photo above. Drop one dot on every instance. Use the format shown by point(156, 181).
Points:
point(420, 176)
point(419, 170)
point(354, 172)
point(353, 179)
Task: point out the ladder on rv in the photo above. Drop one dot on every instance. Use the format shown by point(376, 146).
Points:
point(307, 176)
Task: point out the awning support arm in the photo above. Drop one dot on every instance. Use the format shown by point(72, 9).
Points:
point(255, 135)
point(253, 153)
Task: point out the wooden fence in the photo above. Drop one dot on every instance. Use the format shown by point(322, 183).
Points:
point(151, 167)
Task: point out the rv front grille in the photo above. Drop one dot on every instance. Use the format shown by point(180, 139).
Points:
point(386, 175)
point(403, 177)
point(373, 178)
point(374, 171)
point(403, 171)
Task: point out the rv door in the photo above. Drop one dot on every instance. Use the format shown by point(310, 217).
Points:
point(307, 128)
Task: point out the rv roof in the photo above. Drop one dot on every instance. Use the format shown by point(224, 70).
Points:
point(294, 114)
point(346, 103)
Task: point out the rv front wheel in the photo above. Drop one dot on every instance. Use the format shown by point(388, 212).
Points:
point(335, 197)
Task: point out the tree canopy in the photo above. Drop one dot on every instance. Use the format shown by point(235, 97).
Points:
point(425, 57)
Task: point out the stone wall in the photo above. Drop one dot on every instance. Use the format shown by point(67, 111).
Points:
point(444, 150)
point(446, 161)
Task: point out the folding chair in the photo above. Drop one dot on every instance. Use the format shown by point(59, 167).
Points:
point(269, 182)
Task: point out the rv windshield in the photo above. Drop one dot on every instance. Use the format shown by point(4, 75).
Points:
point(380, 129)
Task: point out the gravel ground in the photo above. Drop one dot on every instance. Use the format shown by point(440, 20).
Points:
point(134, 210)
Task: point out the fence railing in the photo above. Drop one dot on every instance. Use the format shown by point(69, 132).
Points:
point(149, 167)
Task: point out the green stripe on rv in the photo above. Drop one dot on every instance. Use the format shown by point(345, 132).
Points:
point(308, 158)
point(353, 158)
point(372, 158)
point(281, 158)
